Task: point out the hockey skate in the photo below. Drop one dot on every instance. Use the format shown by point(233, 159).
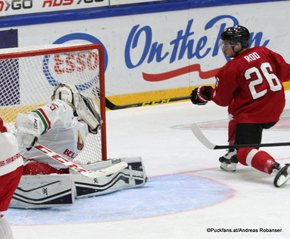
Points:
point(229, 161)
point(282, 176)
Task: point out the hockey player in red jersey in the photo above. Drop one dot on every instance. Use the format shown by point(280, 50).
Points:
point(250, 85)
point(11, 166)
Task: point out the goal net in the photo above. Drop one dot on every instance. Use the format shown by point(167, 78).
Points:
point(29, 75)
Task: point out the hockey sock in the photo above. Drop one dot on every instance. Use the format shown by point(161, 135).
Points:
point(259, 160)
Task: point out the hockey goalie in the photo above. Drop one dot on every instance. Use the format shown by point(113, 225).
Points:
point(63, 126)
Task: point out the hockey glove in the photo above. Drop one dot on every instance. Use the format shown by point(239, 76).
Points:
point(26, 140)
point(201, 95)
point(28, 129)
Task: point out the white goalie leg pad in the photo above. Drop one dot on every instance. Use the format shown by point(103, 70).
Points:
point(5, 229)
point(132, 176)
point(43, 191)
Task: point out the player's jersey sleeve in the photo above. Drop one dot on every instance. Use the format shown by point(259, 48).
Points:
point(226, 84)
point(10, 158)
point(56, 111)
point(282, 67)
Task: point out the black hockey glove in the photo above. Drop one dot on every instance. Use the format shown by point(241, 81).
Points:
point(201, 95)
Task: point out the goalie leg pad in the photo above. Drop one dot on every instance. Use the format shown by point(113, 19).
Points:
point(43, 191)
point(132, 176)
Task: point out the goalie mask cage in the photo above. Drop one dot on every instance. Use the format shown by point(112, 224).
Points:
point(29, 75)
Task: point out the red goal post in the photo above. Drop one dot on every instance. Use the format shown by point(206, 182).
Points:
point(28, 76)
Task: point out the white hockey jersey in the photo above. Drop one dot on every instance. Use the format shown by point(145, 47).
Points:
point(10, 158)
point(60, 131)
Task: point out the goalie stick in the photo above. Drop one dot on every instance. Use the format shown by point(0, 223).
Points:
point(76, 167)
point(112, 106)
point(201, 137)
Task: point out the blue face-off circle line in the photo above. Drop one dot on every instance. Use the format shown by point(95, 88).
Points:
point(168, 194)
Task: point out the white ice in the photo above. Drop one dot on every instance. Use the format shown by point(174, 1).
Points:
point(161, 136)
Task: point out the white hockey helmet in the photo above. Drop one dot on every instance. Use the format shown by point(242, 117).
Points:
point(67, 93)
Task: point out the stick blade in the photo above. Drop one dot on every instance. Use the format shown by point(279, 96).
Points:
point(201, 137)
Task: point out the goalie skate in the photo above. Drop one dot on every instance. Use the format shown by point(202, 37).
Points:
point(282, 176)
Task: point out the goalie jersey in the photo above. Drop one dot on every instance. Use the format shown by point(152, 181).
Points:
point(59, 130)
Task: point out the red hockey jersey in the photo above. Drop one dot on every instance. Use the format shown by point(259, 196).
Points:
point(251, 86)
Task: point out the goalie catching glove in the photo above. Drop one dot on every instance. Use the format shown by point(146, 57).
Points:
point(87, 111)
point(201, 95)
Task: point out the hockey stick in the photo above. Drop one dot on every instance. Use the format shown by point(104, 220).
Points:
point(112, 106)
point(76, 167)
point(201, 137)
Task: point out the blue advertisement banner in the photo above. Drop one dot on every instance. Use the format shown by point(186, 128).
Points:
point(20, 17)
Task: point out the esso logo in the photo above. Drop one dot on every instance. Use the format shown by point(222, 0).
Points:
point(77, 68)
point(71, 63)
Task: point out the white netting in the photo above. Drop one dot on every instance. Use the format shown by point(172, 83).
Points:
point(28, 77)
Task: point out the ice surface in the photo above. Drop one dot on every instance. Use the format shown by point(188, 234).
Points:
point(187, 194)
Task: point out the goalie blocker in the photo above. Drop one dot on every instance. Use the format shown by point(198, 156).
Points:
point(43, 191)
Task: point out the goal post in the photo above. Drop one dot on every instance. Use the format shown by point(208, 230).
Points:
point(28, 76)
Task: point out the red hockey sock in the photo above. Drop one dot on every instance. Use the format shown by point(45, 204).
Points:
point(259, 160)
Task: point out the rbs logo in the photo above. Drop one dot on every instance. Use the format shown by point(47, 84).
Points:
point(51, 3)
point(57, 3)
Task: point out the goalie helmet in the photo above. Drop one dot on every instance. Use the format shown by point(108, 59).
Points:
point(67, 93)
point(84, 108)
point(237, 34)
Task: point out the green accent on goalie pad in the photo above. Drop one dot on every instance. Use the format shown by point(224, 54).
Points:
point(160, 196)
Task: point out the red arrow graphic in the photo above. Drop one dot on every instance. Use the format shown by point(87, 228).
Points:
point(183, 70)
